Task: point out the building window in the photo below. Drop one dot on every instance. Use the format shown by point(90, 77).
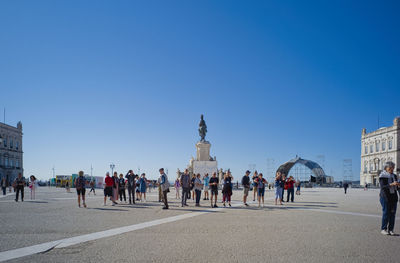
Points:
point(377, 146)
point(371, 167)
point(17, 145)
point(5, 142)
point(366, 149)
point(17, 163)
point(6, 162)
point(365, 167)
point(11, 163)
point(383, 146)
point(11, 143)
point(371, 148)
point(390, 144)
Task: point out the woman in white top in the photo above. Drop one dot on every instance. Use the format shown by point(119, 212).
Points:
point(32, 186)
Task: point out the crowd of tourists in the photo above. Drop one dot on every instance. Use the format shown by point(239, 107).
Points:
point(189, 186)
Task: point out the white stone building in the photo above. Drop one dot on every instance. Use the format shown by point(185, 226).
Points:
point(378, 147)
point(11, 161)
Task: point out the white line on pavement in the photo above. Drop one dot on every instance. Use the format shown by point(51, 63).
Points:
point(62, 243)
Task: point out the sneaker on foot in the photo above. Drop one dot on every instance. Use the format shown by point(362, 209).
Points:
point(215, 206)
point(392, 233)
point(246, 204)
point(384, 232)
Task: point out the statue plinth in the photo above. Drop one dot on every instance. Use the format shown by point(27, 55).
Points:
point(203, 151)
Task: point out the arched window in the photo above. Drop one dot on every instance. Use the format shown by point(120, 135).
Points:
point(383, 146)
point(390, 144)
point(377, 146)
point(371, 148)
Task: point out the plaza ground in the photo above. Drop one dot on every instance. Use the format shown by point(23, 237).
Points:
point(322, 225)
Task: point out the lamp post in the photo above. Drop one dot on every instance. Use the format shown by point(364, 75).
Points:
point(112, 166)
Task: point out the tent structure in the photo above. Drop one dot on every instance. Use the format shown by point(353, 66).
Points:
point(315, 168)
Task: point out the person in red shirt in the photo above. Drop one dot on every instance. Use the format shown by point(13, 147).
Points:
point(108, 189)
point(290, 188)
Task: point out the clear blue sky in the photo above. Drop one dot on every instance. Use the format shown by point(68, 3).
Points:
point(95, 82)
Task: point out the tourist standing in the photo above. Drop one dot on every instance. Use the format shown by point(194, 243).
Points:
point(177, 186)
point(80, 184)
point(121, 187)
point(185, 183)
point(278, 189)
point(19, 185)
point(108, 189)
point(32, 186)
point(198, 186)
point(131, 184)
point(298, 185)
point(115, 186)
point(143, 187)
point(164, 187)
point(261, 189)
point(254, 178)
point(246, 187)
point(206, 181)
point(214, 182)
point(137, 188)
point(160, 197)
point(192, 187)
point(283, 184)
point(290, 189)
point(4, 185)
point(227, 189)
point(67, 187)
point(92, 187)
point(388, 182)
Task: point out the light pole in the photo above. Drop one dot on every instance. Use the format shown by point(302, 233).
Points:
point(112, 166)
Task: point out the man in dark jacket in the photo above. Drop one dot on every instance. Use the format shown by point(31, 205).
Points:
point(246, 187)
point(185, 183)
point(131, 182)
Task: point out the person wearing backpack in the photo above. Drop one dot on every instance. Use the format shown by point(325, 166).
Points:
point(246, 187)
point(164, 187)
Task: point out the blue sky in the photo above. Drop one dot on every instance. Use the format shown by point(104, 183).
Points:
point(96, 82)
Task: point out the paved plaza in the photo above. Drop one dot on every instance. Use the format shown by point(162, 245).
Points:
point(322, 225)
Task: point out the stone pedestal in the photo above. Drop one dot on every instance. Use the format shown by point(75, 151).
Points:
point(203, 163)
point(203, 151)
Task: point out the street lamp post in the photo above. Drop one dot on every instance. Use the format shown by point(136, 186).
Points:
point(112, 166)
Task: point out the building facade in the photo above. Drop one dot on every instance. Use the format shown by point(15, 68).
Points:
point(11, 154)
point(378, 147)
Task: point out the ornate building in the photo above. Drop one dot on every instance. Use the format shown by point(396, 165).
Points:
point(11, 162)
point(378, 147)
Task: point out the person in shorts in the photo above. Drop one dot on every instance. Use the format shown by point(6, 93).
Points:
point(246, 187)
point(108, 189)
point(214, 182)
point(80, 184)
point(261, 182)
point(255, 176)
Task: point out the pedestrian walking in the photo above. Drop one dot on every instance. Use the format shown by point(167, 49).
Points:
point(278, 188)
point(108, 189)
point(185, 183)
point(254, 178)
point(345, 186)
point(227, 189)
point(198, 186)
point(283, 185)
point(261, 189)
point(19, 185)
point(143, 187)
point(290, 189)
point(131, 184)
point(177, 186)
point(164, 187)
point(298, 185)
point(92, 187)
point(67, 187)
point(206, 182)
point(32, 186)
point(214, 182)
point(246, 187)
point(80, 184)
point(389, 184)
point(121, 187)
point(4, 185)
